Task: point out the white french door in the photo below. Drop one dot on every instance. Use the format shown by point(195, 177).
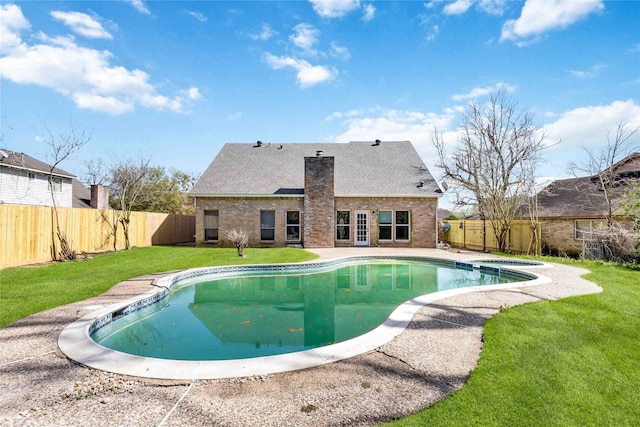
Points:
point(362, 228)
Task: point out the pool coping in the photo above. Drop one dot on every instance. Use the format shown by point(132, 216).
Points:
point(75, 341)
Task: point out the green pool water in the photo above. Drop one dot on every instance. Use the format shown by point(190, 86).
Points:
point(267, 314)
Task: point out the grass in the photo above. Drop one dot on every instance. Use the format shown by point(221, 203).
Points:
point(28, 290)
point(571, 362)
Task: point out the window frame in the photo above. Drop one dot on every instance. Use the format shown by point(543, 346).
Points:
point(346, 226)
point(386, 225)
point(392, 226)
point(216, 228)
point(55, 184)
point(406, 226)
point(293, 225)
point(266, 227)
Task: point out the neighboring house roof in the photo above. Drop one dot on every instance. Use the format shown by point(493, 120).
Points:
point(362, 168)
point(14, 160)
point(584, 197)
point(81, 195)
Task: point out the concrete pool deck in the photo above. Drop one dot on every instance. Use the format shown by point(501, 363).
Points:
point(430, 359)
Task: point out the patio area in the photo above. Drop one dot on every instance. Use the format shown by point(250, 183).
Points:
point(430, 359)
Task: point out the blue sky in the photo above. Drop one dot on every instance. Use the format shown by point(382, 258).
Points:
point(174, 81)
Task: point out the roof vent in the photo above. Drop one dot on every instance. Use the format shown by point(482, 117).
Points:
point(3, 155)
point(376, 143)
point(421, 184)
point(258, 144)
point(319, 153)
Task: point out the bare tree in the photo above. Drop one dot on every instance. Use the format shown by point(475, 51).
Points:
point(240, 239)
point(615, 239)
point(492, 168)
point(600, 164)
point(128, 181)
point(95, 173)
point(62, 146)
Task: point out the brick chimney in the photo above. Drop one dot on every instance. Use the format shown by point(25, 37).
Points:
point(319, 202)
point(99, 197)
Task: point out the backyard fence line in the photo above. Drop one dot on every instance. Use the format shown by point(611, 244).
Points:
point(27, 232)
point(479, 235)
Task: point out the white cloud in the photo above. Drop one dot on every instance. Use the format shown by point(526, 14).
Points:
point(538, 17)
point(12, 23)
point(591, 72)
point(199, 16)
point(396, 125)
point(369, 13)
point(492, 7)
point(307, 75)
point(340, 51)
point(305, 37)
point(483, 91)
point(140, 6)
point(588, 126)
point(431, 35)
point(334, 8)
point(83, 24)
point(83, 74)
point(457, 7)
point(266, 33)
point(460, 7)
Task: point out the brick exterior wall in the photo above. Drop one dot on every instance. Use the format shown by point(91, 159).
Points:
point(319, 202)
point(557, 236)
point(422, 218)
point(244, 214)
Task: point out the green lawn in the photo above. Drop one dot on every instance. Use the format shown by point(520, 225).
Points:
point(28, 290)
point(571, 362)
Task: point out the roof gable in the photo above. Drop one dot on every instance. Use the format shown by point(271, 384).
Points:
point(362, 168)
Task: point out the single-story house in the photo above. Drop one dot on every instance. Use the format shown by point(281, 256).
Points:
point(365, 193)
point(571, 209)
point(24, 180)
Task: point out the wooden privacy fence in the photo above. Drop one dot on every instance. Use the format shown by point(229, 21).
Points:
point(479, 235)
point(26, 231)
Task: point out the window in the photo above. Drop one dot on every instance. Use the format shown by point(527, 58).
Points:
point(385, 219)
point(293, 226)
point(55, 183)
point(402, 225)
point(390, 222)
point(267, 225)
point(584, 228)
point(32, 176)
point(211, 225)
point(343, 227)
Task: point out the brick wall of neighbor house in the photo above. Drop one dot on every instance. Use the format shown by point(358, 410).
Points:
point(319, 202)
point(423, 218)
point(558, 236)
point(244, 214)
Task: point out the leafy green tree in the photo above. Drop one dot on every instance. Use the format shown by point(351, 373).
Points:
point(166, 192)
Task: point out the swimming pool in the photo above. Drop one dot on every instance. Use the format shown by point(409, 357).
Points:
point(316, 313)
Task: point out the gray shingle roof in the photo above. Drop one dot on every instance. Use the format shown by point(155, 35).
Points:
point(584, 197)
point(361, 169)
point(25, 162)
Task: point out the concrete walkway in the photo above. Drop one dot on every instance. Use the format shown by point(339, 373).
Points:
point(430, 359)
